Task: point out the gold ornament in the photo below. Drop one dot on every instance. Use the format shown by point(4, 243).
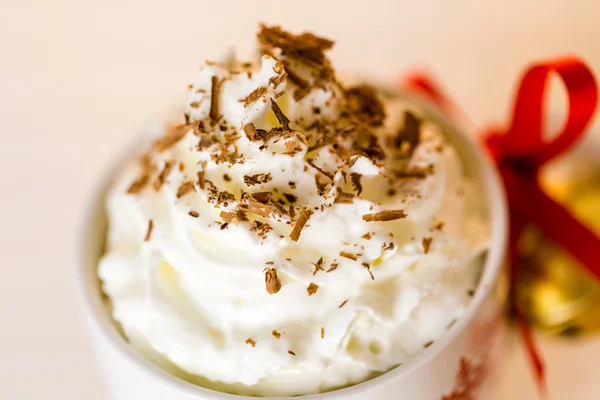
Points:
point(559, 296)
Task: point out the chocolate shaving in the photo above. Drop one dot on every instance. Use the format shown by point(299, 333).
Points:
point(305, 45)
point(139, 184)
point(149, 231)
point(222, 153)
point(291, 148)
point(355, 179)
point(262, 134)
point(302, 219)
point(300, 136)
point(322, 333)
point(278, 205)
point(276, 334)
point(251, 342)
point(214, 100)
point(388, 215)
point(343, 304)
point(260, 228)
point(199, 129)
point(257, 179)
point(325, 173)
point(201, 180)
point(318, 266)
point(410, 132)
point(227, 216)
point(439, 226)
point(426, 242)
point(387, 247)
point(160, 180)
point(262, 197)
point(367, 144)
point(256, 207)
point(368, 267)
point(255, 95)
point(343, 197)
point(272, 281)
point(250, 130)
point(224, 196)
point(185, 188)
point(426, 345)
point(312, 289)
point(290, 197)
point(366, 236)
point(291, 352)
point(283, 120)
point(194, 214)
point(276, 80)
point(348, 255)
point(320, 185)
point(241, 216)
point(306, 49)
point(173, 136)
point(364, 104)
point(350, 161)
point(205, 142)
point(332, 267)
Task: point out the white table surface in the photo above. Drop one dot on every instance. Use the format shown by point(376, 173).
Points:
point(78, 77)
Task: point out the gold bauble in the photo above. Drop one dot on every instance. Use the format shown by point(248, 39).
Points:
point(559, 295)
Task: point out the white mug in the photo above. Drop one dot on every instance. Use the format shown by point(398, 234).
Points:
point(461, 365)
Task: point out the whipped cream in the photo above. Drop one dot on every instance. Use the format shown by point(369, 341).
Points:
point(293, 235)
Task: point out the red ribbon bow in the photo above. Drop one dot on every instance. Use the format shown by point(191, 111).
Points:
point(520, 151)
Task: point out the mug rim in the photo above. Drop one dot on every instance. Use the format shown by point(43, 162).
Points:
point(497, 214)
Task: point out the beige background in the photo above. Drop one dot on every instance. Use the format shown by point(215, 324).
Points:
point(77, 78)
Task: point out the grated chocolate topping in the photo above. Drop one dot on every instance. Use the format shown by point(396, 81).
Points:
point(410, 132)
point(426, 244)
point(283, 120)
point(355, 178)
point(364, 104)
point(257, 179)
point(312, 289)
point(149, 230)
point(388, 215)
point(214, 100)
point(185, 188)
point(299, 225)
point(254, 95)
point(272, 281)
point(160, 180)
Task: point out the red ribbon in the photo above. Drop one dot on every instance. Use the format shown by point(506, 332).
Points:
point(520, 151)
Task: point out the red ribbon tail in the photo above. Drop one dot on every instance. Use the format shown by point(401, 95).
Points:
point(557, 223)
point(520, 152)
point(533, 353)
point(517, 224)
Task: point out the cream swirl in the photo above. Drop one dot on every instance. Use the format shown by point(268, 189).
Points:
point(293, 235)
